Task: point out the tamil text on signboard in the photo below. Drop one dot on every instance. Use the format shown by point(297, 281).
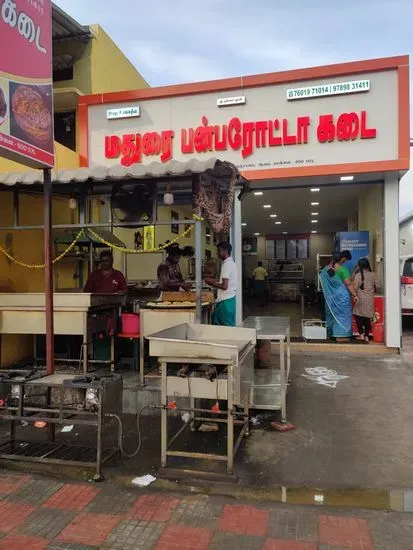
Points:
point(26, 92)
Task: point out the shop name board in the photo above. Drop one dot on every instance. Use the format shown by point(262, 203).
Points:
point(26, 91)
point(322, 90)
point(237, 135)
point(22, 23)
point(124, 112)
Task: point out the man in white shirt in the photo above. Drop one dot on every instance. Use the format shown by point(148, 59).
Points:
point(225, 307)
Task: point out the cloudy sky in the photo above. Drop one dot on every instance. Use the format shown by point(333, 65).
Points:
point(187, 40)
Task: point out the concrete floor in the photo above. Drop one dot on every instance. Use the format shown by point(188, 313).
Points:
point(358, 434)
point(355, 435)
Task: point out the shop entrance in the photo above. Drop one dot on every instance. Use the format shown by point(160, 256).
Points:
point(293, 230)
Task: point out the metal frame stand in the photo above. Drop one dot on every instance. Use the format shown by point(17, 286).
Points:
point(227, 417)
point(282, 338)
point(42, 399)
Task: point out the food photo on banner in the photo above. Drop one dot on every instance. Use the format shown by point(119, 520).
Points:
point(26, 92)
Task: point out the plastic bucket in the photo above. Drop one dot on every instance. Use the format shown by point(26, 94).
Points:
point(130, 323)
point(378, 333)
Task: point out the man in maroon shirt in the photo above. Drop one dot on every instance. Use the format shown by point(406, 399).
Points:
point(106, 280)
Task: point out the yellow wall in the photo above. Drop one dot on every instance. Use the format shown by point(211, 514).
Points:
point(144, 266)
point(110, 68)
point(101, 68)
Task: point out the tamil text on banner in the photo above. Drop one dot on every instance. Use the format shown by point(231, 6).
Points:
point(26, 92)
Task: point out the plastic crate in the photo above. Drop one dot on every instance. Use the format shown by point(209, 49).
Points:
point(314, 329)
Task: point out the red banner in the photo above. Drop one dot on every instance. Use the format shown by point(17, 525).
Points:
point(26, 91)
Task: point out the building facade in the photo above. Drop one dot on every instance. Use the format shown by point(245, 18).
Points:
point(311, 129)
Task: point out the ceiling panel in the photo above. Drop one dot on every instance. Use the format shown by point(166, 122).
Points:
point(294, 211)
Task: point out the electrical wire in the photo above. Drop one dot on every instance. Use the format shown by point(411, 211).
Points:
point(120, 432)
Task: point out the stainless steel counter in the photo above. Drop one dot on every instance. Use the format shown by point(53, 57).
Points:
point(269, 390)
point(193, 344)
point(24, 313)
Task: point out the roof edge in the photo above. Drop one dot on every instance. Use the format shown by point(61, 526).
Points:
point(249, 81)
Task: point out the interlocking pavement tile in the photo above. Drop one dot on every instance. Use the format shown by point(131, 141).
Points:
point(293, 524)
point(244, 520)
point(349, 532)
point(35, 492)
point(283, 544)
point(198, 511)
point(227, 541)
point(89, 529)
point(131, 535)
point(12, 515)
point(46, 523)
point(153, 508)
point(69, 546)
point(329, 547)
point(179, 537)
point(17, 542)
point(391, 531)
point(73, 497)
point(9, 483)
point(113, 503)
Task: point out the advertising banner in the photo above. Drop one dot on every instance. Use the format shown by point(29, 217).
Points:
point(357, 242)
point(26, 90)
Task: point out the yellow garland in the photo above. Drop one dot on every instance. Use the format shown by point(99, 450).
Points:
point(134, 251)
point(103, 241)
point(42, 266)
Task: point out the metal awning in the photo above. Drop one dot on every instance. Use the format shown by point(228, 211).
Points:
point(65, 27)
point(101, 174)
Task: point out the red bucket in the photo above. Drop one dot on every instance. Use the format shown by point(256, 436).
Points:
point(131, 323)
point(378, 333)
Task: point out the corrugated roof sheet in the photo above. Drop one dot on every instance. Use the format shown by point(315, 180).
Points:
point(118, 172)
point(65, 27)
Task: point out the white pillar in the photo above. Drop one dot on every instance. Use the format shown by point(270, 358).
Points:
point(391, 261)
point(236, 238)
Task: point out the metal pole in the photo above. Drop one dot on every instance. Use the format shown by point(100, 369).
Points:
point(16, 208)
point(198, 270)
point(48, 270)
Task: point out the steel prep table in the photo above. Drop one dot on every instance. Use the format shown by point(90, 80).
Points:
point(269, 390)
point(154, 319)
point(231, 347)
point(74, 315)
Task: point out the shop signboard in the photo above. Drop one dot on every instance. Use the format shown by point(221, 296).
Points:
point(356, 242)
point(288, 127)
point(26, 91)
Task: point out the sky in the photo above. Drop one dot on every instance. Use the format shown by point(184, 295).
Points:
point(177, 41)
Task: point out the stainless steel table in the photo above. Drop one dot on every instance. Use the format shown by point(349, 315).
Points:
point(264, 394)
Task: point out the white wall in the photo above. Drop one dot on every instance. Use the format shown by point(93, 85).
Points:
point(319, 244)
point(406, 238)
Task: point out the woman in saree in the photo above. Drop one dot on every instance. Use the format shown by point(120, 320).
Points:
point(338, 290)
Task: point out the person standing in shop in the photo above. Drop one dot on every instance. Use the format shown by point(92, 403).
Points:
point(338, 290)
point(170, 278)
point(106, 280)
point(365, 283)
point(225, 306)
point(260, 278)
